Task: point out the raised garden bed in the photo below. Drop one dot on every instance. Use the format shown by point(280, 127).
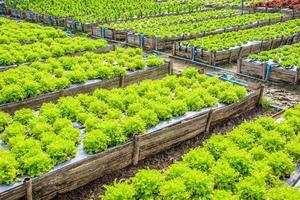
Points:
point(277, 65)
point(69, 22)
point(108, 48)
point(90, 86)
point(292, 12)
point(109, 31)
point(49, 19)
point(240, 150)
point(154, 43)
point(80, 172)
point(275, 74)
point(232, 54)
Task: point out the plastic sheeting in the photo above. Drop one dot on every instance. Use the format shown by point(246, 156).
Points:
point(81, 154)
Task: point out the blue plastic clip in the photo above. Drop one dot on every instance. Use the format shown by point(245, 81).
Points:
point(73, 25)
point(50, 19)
point(103, 31)
point(142, 40)
point(69, 33)
point(268, 71)
point(31, 16)
point(193, 53)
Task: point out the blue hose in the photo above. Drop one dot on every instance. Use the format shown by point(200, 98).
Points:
point(103, 30)
point(142, 40)
point(224, 77)
point(193, 53)
point(269, 68)
point(31, 16)
point(50, 19)
point(73, 25)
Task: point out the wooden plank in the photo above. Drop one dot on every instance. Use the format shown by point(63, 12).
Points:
point(276, 74)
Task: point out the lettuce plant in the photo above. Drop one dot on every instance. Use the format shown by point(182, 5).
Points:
point(95, 141)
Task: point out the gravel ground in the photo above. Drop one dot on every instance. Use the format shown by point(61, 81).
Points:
point(281, 96)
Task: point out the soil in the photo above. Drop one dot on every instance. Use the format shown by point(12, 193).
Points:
point(278, 96)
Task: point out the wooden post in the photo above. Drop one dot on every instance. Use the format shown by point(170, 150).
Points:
point(240, 52)
point(28, 188)
point(122, 81)
point(174, 49)
point(210, 58)
point(209, 119)
point(261, 93)
point(263, 72)
point(297, 77)
point(215, 58)
point(272, 42)
point(230, 56)
point(239, 65)
point(136, 150)
point(170, 67)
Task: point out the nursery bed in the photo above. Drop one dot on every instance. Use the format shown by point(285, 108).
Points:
point(293, 12)
point(232, 54)
point(120, 35)
point(69, 22)
point(90, 86)
point(162, 137)
point(107, 49)
point(154, 43)
point(276, 74)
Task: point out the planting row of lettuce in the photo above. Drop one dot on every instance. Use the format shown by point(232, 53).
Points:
point(172, 19)
point(102, 10)
point(34, 142)
point(193, 28)
point(16, 53)
point(233, 39)
point(250, 162)
point(54, 74)
point(22, 32)
point(286, 57)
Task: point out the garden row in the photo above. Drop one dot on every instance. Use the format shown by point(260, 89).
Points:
point(22, 42)
point(279, 65)
point(170, 20)
point(107, 10)
point(117, 30)
point(250, 162)
point(227, 47)
point(101, 11)
point(13, 54)
point(20, 32)
point(124, 125)
point(163, 37)
point(30, 85)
